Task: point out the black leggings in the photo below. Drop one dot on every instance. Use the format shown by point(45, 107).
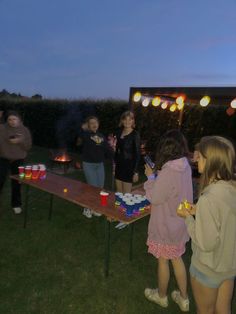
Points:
point(12, 166)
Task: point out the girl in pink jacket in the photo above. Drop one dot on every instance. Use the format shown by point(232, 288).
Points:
point(166, 188)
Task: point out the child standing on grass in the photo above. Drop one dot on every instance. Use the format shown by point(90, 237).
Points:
point(95, 149)
point(213, 231)
point(15, 143)
point(167, 233)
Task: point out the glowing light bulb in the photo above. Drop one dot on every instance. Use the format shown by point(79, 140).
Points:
point(156, 101)
point(146, 102)
point(180, 106)
point(233, 103)
point(137, 97)
point(173, 107)
point(164, 105)
point(205, 101)
point(180, 100)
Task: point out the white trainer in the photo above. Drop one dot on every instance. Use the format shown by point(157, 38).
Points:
point(121, 225)
point(96, 213)
point(153, 296)
point(182, 303)
point(17, 210)
point(87, 213)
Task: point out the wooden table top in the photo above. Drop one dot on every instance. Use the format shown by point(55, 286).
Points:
point(82, 194)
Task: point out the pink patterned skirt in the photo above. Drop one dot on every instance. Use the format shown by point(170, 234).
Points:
point(165, 250)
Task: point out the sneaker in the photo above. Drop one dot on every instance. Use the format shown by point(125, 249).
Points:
point(182, 303)
point(153, 296)
point(17, 210)
point(96, 213)
point(87, 213)
point(121, 225)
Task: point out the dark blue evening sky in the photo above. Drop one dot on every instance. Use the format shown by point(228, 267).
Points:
point(99, 49)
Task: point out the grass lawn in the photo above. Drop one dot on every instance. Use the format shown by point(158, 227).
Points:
point(57, 266)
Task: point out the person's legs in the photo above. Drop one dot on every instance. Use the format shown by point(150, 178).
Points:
point(180, 275)
point(205, 297)
point(91, 178)
point(4, 168)
point(15, 185)
point(99, 178)
point(127, 187)
point(163, 276)
point(119, 186)
point(100, 175)
point(90, 173)
point(159, 295)
point(224, 297)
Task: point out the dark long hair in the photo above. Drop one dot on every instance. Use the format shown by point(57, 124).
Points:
point(173, 145)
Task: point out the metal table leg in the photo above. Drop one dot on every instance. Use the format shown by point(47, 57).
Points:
point(107, 247)
point(50, 208)
point(26, 204)
point(131, 241)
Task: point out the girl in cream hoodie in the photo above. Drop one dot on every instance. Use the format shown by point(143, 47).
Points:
point(213, 231)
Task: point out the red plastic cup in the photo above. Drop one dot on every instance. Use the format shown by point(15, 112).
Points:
point(28, 172)
point(21, 171)
point(103, 198)
point(35, 172)
point(42, 172)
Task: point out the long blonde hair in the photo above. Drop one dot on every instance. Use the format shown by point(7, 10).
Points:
point(220, 160)
point(126, 114)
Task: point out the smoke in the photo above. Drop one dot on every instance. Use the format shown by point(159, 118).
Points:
point(69, 125)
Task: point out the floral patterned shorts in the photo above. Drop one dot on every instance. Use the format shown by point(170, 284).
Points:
point(165, 250)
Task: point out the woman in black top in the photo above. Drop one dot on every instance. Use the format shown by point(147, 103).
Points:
point(127, 154)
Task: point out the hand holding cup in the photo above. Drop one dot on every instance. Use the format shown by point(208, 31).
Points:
point(186, 209)
point(16, 139)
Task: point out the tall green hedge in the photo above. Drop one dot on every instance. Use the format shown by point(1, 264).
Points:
point(55, 123)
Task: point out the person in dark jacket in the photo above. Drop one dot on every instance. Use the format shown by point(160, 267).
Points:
point(15, 142)
point(95, 149)
point(127, 155)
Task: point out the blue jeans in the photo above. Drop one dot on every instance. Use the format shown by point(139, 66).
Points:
point(94, 173)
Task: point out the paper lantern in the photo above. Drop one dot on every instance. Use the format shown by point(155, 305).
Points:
point(146, 102)
point(156, 101)
point(205, 101)
point(233, 103)
point(137, 97)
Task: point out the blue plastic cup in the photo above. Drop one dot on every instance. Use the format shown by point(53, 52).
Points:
point(129, 208)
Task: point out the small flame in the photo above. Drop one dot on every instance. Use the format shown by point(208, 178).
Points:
point(62, 158)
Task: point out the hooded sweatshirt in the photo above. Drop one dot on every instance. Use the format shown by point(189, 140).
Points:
point(172, 185)
point(12, 151)
point(213, 231)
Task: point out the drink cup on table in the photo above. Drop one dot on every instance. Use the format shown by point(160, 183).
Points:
point(104, 198)
point(35, 172)
point(129, 208)
point(118, 198)
point(42, 172)
point(21, 171)
point(128, 195)
point(137, 205)
point(28, 172)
